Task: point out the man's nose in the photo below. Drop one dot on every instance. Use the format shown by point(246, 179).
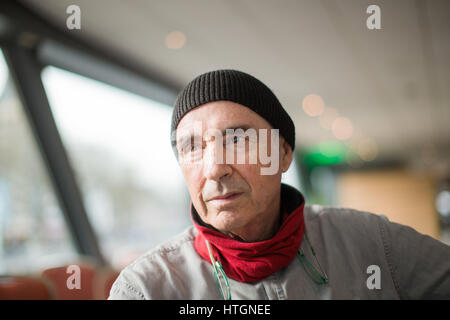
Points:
point(214, 166)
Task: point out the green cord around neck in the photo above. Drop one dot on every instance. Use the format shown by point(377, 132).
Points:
point(320, 278)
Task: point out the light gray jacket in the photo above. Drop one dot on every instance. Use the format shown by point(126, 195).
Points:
point(364, 255)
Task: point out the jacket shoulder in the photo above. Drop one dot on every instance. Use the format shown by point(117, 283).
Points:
point(337, 216)
point(154, 270)
point(346, 227)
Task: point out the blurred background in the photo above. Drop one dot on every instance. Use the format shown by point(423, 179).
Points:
point(86, 168)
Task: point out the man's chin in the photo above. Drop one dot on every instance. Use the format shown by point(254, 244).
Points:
point(227, 220)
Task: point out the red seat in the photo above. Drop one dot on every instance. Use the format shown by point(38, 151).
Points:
point(59, 277)
point(23, 288)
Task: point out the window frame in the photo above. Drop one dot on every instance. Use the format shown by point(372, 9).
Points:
point(27, 53)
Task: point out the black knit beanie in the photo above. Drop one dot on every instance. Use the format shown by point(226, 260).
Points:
point(238, 87)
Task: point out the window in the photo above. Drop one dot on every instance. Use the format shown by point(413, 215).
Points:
point(119, 147)
point(33, 232)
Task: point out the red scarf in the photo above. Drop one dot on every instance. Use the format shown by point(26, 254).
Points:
point(253, 261)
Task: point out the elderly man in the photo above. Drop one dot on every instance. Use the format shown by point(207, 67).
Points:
point(254, 237)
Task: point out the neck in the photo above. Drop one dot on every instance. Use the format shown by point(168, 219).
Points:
point(263, 227)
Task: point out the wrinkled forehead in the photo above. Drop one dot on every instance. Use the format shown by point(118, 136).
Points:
point(219, 115)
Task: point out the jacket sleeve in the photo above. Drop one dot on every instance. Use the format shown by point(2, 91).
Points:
point(123, 290)
point(419, 264)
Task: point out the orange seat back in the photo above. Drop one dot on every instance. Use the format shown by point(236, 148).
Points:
point(23, 288)
point(60, 277)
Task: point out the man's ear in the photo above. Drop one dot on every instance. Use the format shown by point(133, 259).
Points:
point(286, 155)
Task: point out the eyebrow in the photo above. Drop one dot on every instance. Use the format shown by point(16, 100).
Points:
point(244, 127)
point(191, 137)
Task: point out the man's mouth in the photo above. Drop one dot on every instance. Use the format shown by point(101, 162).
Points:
point(227, 197)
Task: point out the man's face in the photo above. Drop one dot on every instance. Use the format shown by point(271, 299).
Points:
point(229, 196)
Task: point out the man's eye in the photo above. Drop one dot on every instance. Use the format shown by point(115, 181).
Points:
point(234, 139)
point(194, 148)
point(190, 148)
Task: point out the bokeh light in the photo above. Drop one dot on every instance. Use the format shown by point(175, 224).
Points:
point(342, 128)
point(367, 149)
point(175, 40)
point(313, 105)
